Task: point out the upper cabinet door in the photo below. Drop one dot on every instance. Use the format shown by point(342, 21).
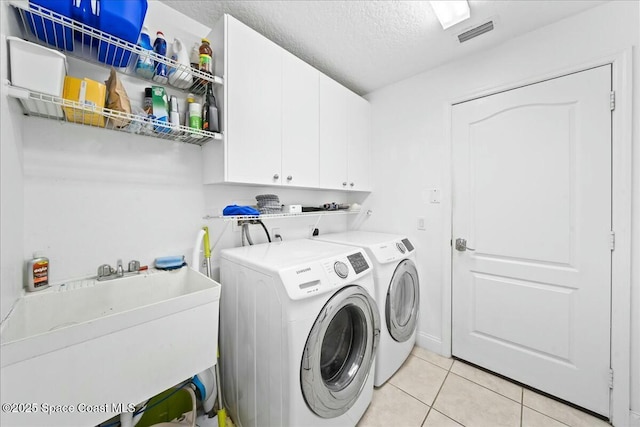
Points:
point(254, 106)
point(300, 129)
point(333, 134)
point(359, 143)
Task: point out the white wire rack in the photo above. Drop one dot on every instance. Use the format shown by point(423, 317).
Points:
point(282, 215)
point(48, 28)
point(53, 107)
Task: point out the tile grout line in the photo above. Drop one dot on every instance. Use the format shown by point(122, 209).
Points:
point(490, 389)
point(446, 416)
point(415, 398)
point(436, 398)
point(546, 415)
point(485, 387)
point(434, 364)
point(521, 406)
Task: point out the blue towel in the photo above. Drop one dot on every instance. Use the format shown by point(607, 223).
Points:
point(170, 262)
point(240, 210)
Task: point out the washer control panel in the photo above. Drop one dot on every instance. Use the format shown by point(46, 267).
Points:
point(341, 269)
point(358, 262)
point(318, 277)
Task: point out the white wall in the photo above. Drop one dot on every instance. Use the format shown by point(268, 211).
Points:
point(11, 209)
point(411, 141)
point(91, 197)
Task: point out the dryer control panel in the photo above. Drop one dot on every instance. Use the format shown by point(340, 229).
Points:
point(392, 251)
point(324, 276)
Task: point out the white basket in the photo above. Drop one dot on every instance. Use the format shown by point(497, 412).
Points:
point(38, 69)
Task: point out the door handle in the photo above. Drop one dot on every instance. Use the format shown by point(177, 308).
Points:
point(461, 245)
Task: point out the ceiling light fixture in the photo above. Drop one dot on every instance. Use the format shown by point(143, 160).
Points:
point(450, 13)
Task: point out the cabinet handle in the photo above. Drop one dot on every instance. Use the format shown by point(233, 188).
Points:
point(351, 184)
point(276, 176)
point(344, 184)
point(289, 178)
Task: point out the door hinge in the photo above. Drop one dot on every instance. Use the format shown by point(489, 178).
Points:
point(612, 100)
point(612, 240)
point(611, 378)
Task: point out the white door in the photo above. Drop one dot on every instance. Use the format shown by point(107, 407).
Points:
point(359, 142)
point(333, 134)
point(532, 196)
point(300, 132)
point(254, 92)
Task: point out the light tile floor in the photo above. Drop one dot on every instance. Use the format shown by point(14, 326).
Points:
point(432, 391)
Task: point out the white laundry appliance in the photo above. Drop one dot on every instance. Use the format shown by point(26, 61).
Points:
point(299, 332)
point(397, 294)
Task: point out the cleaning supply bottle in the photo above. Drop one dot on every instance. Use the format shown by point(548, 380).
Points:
point(206, 59)
point(160, 48)
point(37, 274)
point(180, 76)
point(194, 56)
point(210, 111)
point(191, 98)
point(144, 64)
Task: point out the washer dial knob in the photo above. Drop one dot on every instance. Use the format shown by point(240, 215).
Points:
point(401, 247)
point(341, 269)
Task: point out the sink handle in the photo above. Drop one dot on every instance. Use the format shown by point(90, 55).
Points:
point(104, 270)
point(134, 266)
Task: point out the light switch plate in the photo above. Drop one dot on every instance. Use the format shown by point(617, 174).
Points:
point(420, 223)
point(435, 195)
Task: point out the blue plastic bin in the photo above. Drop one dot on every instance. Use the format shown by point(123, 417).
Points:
point(50, 33)
point(122, 19)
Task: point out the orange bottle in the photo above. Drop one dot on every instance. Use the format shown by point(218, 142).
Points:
point(206, 57)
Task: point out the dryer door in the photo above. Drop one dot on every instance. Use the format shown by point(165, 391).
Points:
point(339, 352)
point(403, 300)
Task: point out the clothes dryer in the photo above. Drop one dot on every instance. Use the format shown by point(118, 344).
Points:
point(397, 294)
point(299, 332)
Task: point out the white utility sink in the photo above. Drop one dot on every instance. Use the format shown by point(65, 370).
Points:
point(94, 346)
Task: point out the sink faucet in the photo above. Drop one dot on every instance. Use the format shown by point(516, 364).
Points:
point(106, 272)
point(119, 269)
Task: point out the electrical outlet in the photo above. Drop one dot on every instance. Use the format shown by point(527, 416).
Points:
point(274, 231)
point(311, 229)
point(421, 223)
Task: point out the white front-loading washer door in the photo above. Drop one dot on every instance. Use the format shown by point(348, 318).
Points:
point(403, 301)
point(339, 352)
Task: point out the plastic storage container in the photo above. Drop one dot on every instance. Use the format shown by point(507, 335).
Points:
point(38, 69)
point(122, 19)
point(50, 33)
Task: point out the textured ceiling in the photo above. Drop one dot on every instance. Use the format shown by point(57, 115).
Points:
point(366, 45)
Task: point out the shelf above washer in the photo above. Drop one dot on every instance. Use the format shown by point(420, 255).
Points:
point(282, 215)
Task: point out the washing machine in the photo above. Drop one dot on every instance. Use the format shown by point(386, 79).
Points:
point(299, 331)
point(397, 294)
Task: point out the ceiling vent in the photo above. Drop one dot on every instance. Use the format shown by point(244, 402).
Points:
point(475, 32)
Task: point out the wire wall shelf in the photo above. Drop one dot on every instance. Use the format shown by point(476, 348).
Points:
point(75, 39)
point(53, 107)
point(282, 215)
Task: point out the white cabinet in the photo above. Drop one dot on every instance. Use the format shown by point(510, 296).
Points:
point(358, 143)
point(333, 134)
point(300, 126)
point(253, 106)
point(284, 122)
point(345, 134)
